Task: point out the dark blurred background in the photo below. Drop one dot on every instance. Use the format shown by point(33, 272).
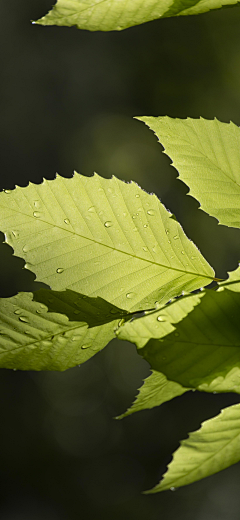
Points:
point(68, 98)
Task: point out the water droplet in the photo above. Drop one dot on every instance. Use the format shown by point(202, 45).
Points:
point(145, 249)
point(114, 311)
point(28, 266)
point(145, 225)
point(137, 196)
point(7, 191)
point(110, 190)
point(91, 209)
point(17, 311)
point(39, 311)
point(134, 216)
point(100, 189)
point(77, 337)
point(151, 212)
point(15, 234)
point(24, 319)
point(108, 224)
point(175, 237)
point(130, 295)
point(169, 241)
point(25, 249)
point(36, 214)
point(172, 488)
point(76, 312)
point(167, 231)
point(59, 270)
point(121, 322)
point(182, 252)
point(160, 318)
point(37, 204)
point(192, 257)
point(83, 347)
point(67, 221)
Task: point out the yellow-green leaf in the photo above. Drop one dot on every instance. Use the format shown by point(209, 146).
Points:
point(104, 238)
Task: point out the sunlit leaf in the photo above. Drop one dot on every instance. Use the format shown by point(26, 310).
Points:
point(207, 157)
point(202, 351)
point(110, 15)
point(104, 238)
point(155, 390)
point(212, 448)
point(76, 328)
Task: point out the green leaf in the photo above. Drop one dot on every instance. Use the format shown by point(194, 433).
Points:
point(112, 15)
point(74, 329)
point(207, 157)
point(212, 448)
point(155, 390)
point(104, 238)
point(202, 351)
point(233, 281)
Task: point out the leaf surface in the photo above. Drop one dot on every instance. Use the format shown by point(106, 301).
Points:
point(212, 448)
point(115, 15)
point(104, 238)
point(207, 157)
point(56, 331)
point(155, 390)
point(202, 351)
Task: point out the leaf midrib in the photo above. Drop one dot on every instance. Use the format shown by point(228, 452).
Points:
point(109, 247)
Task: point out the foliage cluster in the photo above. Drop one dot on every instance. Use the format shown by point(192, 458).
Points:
point(118, 264)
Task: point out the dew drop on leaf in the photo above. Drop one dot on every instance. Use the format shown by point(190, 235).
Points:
point(182, 252)
point(77, 337)
point(91, 209)
point(167, 231)
point(145, 249)
point(83, 347)
point(17, 311)
point(66, 221)
point(59, 270)
point(25, 249)
point(151, 212)
point(108, 224)
point(160, 318)
point(130, 295)
point(145, 225)
point(37, 204)
point(137, 196)
point(172, 488)
point(175, 237)
point(24, 319)
point(7, 191)
point(15, 234)
point(36, 214)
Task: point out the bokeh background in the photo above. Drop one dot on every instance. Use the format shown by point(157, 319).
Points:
point(68, 99)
